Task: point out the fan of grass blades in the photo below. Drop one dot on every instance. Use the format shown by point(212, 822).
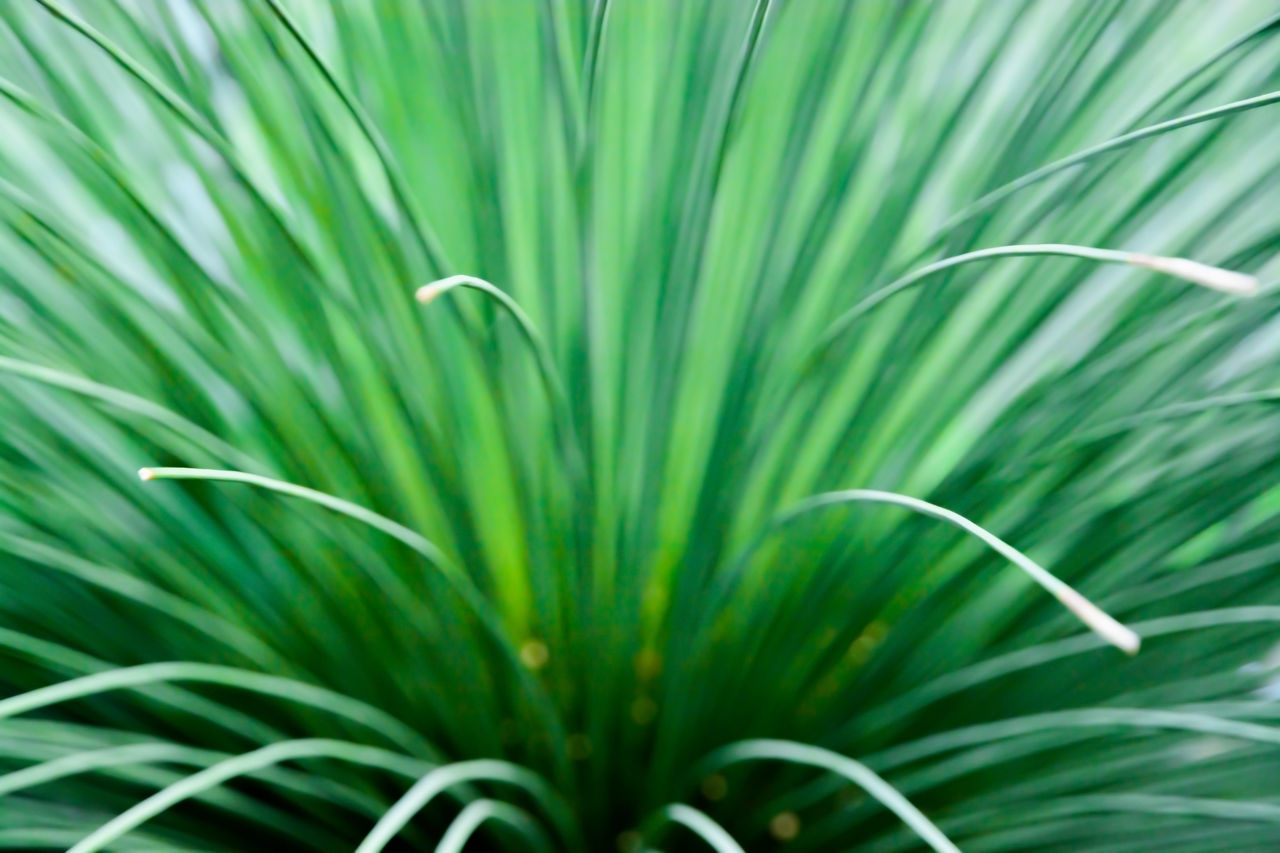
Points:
point(805, 408)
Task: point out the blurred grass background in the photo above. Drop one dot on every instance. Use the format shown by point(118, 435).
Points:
point(213, 218)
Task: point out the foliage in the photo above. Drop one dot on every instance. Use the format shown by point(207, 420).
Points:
point(595, 603)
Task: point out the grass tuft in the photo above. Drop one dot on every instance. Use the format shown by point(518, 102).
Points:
point(541, 566)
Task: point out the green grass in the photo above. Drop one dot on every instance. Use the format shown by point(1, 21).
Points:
point(799, 408)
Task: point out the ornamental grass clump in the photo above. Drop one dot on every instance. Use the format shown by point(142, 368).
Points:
point(624, 425)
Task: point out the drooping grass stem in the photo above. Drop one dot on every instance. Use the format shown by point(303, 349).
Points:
point(1086, 611)
point(1195, 272)
point(459, 580)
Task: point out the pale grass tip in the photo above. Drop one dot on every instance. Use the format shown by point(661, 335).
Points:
point(1195, 272)
point(146, 474)
point(1123, 638)
point(430, 291)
